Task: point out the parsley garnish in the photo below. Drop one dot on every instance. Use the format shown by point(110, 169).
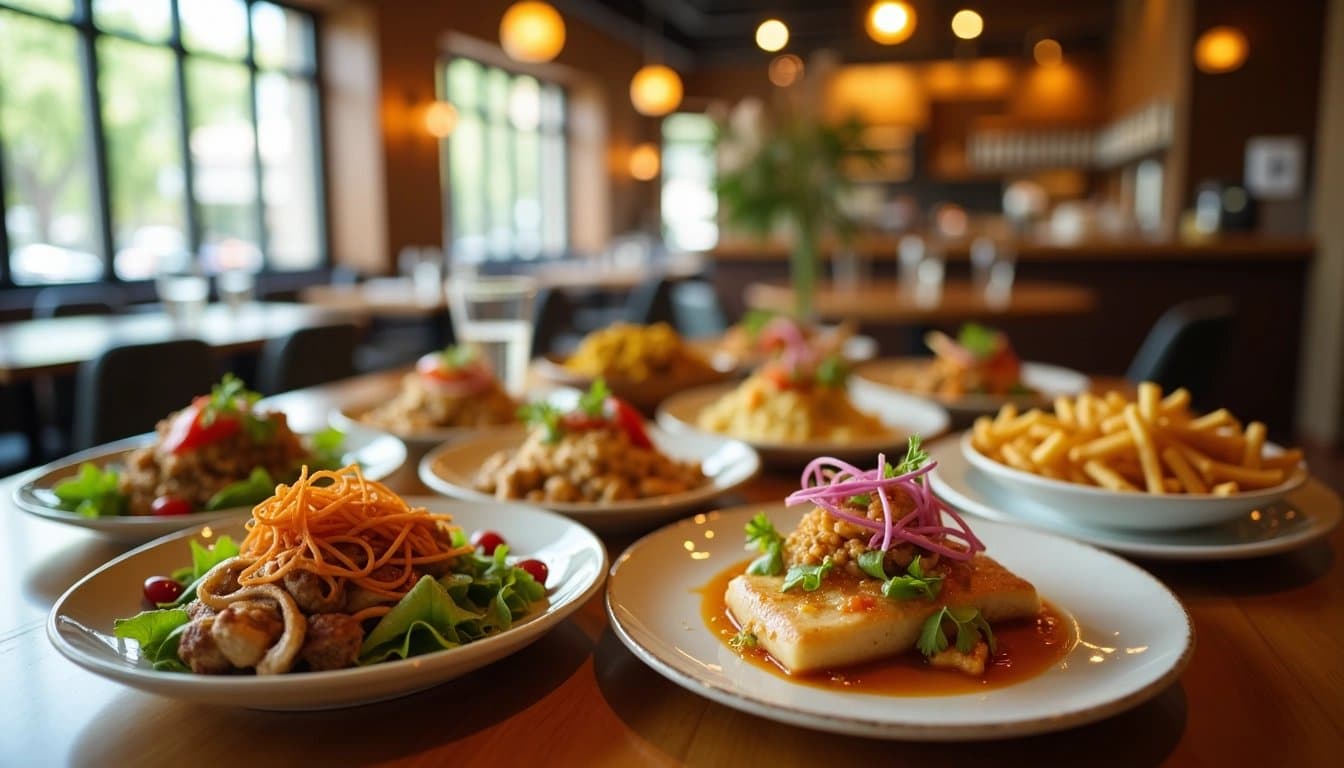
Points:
point(915, 456)
point(807, 576)
point(231, 398)
point(762, 535)
point(754, 321)
point(832, 372)
point(971, 627)
point(743, 639)
point(543, 415)
point(594, 402)
point(908, 587)
point(457, 357)
point(978, 339)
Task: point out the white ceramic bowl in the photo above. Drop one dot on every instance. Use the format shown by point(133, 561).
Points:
point(80, 623)
point(1099, 507)
point(729, 463)
point(903, 414)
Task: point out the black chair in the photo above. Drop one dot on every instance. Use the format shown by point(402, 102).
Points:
point(127, 390)
point(20, 430)
point(307, 357)
point(553, 316)
point(1186, 347)
point(697, 310)
point(66, 300)
point(651, 302)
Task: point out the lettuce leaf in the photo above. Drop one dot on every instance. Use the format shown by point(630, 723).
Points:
point(328, 447)
point(94, 492)
point(245, 493)
point(157, 633)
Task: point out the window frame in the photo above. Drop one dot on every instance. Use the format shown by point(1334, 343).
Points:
point(87, 36)
point(481, 111)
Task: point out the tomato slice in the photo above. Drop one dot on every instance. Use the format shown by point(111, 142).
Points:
point(187, 430)
point(629, 420)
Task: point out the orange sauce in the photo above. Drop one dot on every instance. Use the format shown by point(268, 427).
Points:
point(1025, 649)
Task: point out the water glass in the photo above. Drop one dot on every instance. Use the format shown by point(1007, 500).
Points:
point(184, 297)
point(849, 270)
point(993, 266)
point(494, 315)
point(236, 287)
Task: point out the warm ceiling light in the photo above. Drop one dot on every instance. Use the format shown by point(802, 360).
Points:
point(891, 21)
point(655, 90)
point(1047, 52)
point(1221, 49)
point(967, 24)
point(532, 31)
point(440, 119)
point(772, 35)
point(644, 162)
point(785, 70)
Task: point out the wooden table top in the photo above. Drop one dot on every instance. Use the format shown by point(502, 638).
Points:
point(58, 345)
point(883, 302)
point(1263, 686)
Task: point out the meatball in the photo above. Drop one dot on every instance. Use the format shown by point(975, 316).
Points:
point(332, 641)
point(198, 610)
point(198, 649)
point(246, 629)
point(313, 593)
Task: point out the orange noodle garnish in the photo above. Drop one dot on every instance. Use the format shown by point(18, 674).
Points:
point(337, 524)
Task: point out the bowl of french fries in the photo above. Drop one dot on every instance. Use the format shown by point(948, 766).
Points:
point(1145, 464)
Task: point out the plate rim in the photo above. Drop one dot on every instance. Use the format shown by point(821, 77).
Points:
point(1099, 537)
point(123, 674)
point(658, 505)
point(905, 731)
point(977, 403)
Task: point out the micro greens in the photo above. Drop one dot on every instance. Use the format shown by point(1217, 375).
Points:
point(915, 456)
point(762, 535)
point(594, 402)
point(743, 639)
point(543, 415)
point(978, 339)
point(971, 627)
point(807, 576)
point(231, 398)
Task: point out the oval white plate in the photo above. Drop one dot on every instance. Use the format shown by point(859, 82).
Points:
point(378, 453)
point(903, 414)
point(1101, 508)
point(1134, 637)
point(1049, 380)
point(729, 463)
point(1305, 515)
point(80, 624)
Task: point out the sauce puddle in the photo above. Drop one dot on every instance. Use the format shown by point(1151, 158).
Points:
point(1026, 648)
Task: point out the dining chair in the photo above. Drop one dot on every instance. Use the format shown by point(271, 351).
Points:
point(1186, 347)
point(67, 300)
point(307, 357)
point(697, 309)
point(651, 302)
point(126, 390)
point(553, 319)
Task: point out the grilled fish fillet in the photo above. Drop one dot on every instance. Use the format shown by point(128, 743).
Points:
point(848, 621)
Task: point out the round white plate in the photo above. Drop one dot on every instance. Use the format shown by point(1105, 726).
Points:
point(1102, 508)
point(1307, 514)
point(903, 414)
point(378, 454)
point(1049, 381)
point(1134, 637)
point(729, 463)
point(80, 624)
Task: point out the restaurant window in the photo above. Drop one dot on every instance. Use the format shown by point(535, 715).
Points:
point(506, 170)
point(690, 206)
point(145, 135)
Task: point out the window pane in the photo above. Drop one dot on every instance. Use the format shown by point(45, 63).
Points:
point(49, 189)
point(222, 143)
point(527, 195)
point(554, 181)
point(287, 127)
point(216, 26)
point(137, 84)
point(281, 37)
point(689, 203)
point(499, 190)
point(552, 108)
point(464, 82)
point(466, 156)
point(150, 19)
point(58, 8)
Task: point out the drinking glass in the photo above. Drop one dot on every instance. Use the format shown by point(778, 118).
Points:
point(993, 266)
point(184, 297)
point(236, 287)
point(494, 315)
point(849, 270)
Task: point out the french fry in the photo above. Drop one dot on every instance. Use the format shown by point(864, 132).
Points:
point(1184, 473)
point(1255, 443)
point(1112, 424)
point(1107, 477)
point(1213, 419)
point(1176, 403)
point(1225, 489)
point(1172, 485)
point(1115, 402)
point(1052, 449)
point(1102, 447)
point(1016, 458)
point(1064, 411)
point(1143, 443)
point(1286, 461)
point(982, 435)
point(1006, 414)
point(1246, 478)
point(1087, 411)
point(1150, 397)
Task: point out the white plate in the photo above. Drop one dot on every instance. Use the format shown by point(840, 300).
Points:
point(378, 453)
point(346, 419)
point(1049, 381)
point(1102, 508)
point(729, 463)
point(1134, 637)
point(1307, 514)
point(903, 414)
point(80, 624)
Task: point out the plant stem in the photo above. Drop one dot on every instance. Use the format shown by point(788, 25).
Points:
point(803, 270)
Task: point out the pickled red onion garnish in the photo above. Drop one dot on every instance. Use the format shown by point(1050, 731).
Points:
point(829, 483)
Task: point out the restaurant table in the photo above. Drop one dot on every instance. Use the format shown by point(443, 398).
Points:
point(58, 345)
point(1263, 686)
point(882, 302)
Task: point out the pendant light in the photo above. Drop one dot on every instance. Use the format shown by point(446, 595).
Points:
point(656, 89)
point(532, 31)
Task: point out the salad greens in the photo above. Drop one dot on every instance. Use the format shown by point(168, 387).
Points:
point(158, 633)
point(93, 492)
point(327, 449)
point(970, 628)
point(761, 534)
point(203, 558)
point(245, 493)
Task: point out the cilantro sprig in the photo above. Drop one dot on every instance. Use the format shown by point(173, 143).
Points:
point(743, 640)
point(915, 457)
point(809, 577)
point(594, 402)
point(913, 585)
point(762, 535)
point(231, 398)
point(545, 416)
point(969, 625)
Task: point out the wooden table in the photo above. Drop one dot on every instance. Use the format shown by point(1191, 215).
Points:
point(882, 302)
point(58, 345)
point(1263, 687)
